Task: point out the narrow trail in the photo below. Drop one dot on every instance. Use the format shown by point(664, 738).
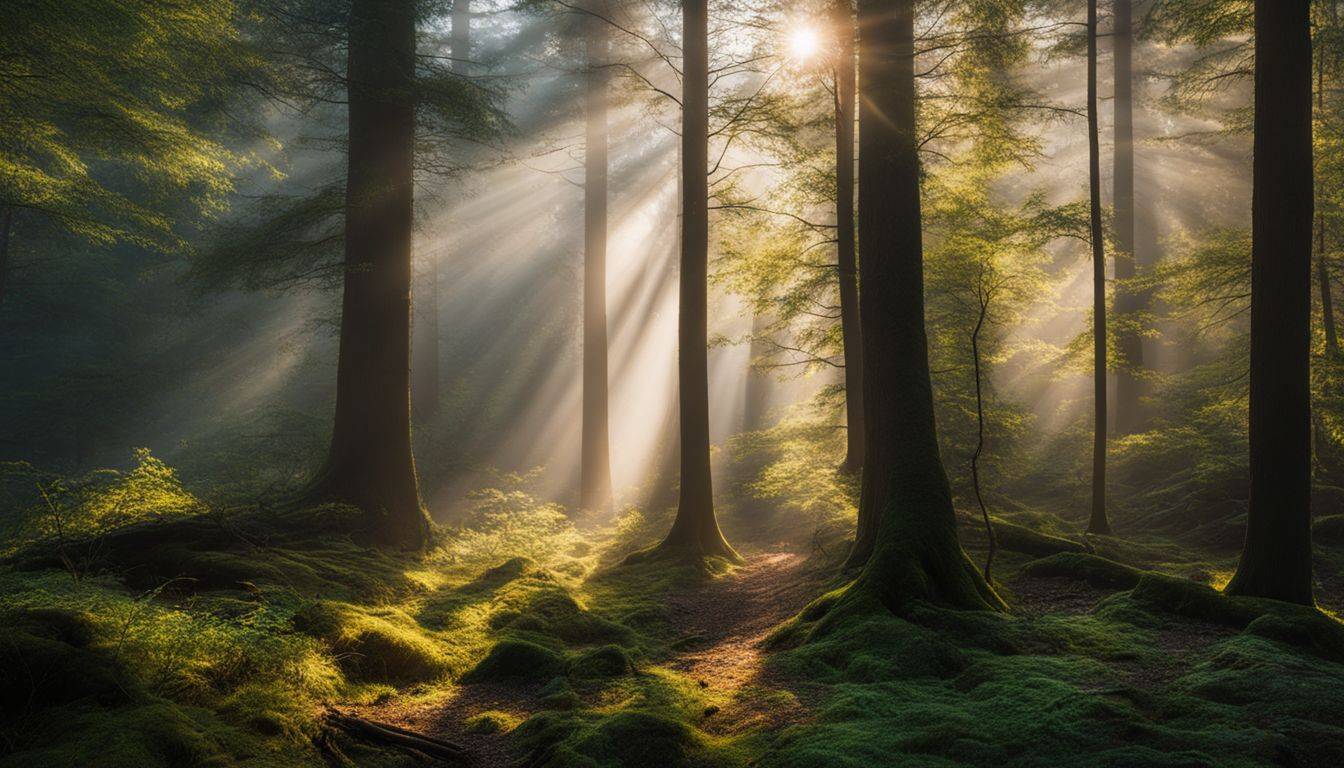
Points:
point(723, 625)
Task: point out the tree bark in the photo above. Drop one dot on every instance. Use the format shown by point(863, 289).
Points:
point(916, 554)
point(695, 531)
point(846, 250)
point(369, 463)
point(595, 470)
point(1276, 559)
point(1129, 344)
point(1098, 522)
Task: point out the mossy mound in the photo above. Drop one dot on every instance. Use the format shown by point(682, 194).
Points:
point(492, 722)
point(600, 662)
point(45, 660)
point(628, 739)
point(383, 645)
point(552, 612)
point(516, 661)
point(1095, 570)
point(1019, 538)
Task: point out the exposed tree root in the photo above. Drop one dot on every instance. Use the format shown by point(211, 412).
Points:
point(385, 734)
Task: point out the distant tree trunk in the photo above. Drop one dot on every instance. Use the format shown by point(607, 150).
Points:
point(6, 227)
point(1276, 559)
point(916, 554)
point(1099, 522)
point(695, 531)
point(985, 297)
point(1322, 267)
point(370, 463)
point(595, 472)
point(1129, 344)
point(846, 250)
point(757, 399)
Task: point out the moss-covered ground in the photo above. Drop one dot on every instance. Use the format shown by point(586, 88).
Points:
point(221, 639)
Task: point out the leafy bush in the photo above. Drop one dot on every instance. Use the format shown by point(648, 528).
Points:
point(510, 521)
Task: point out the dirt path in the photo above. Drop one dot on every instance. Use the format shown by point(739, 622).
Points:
point(723, 625)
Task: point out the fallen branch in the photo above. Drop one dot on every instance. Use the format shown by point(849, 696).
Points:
point(386, 734)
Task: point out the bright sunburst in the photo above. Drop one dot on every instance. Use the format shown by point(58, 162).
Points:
point(804, 42)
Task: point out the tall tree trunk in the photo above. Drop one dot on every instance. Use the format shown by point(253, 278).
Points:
point(846, 251)
point(369, 463)
point(990, 536)
point(1129, 344)
point(916, 554)
point(595, 472)
point(1322, 267)
point(696, 530)
point(1276, 559)
point(425, 386)
point(1099, 522)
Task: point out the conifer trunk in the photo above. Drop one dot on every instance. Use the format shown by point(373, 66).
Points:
point(1322, 267)
point(1276, 559)
point(1129, 344)
point(1098, 522)
point(595, 470)
point(846, 249)
point(369, 463)
point(695, 531)
point(916, 554)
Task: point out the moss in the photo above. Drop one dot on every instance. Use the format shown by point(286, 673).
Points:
point(373, 645)
point(628, 739)
point(41, 667)
point(603, 661)
point(516, 661)
point(491, 722)
point(1095, 570)
point(1019, 538)
point(1328, 529)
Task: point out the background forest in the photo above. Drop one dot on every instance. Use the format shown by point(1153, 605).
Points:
point(605, 383)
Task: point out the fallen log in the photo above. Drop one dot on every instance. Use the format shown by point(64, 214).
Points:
point(386, 734)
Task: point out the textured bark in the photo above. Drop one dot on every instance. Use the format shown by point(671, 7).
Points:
point(595, 470)
point(916, 554)
point(1098, 522)
point(695, 530)
point(369, 463)
point(1128, 343)
point(846, 249)
point(1276, 559)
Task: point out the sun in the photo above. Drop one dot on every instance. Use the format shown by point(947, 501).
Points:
point(804, 42)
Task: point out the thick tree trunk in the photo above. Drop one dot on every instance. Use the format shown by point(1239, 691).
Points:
point(1129, 344)
point(370, 463)
point(1098, 522)
point(1276, 560)
point(595, 470)
point(696, 530)
point(916, 554)
point(846, 250)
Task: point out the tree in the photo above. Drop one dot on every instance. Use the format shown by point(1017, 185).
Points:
point(369, 463)
point(1098, 523)
point(1276, 559)
point(1128, 342)
point(846, 249)
point(695, 531)
point(916, 554)
point(595, 470)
